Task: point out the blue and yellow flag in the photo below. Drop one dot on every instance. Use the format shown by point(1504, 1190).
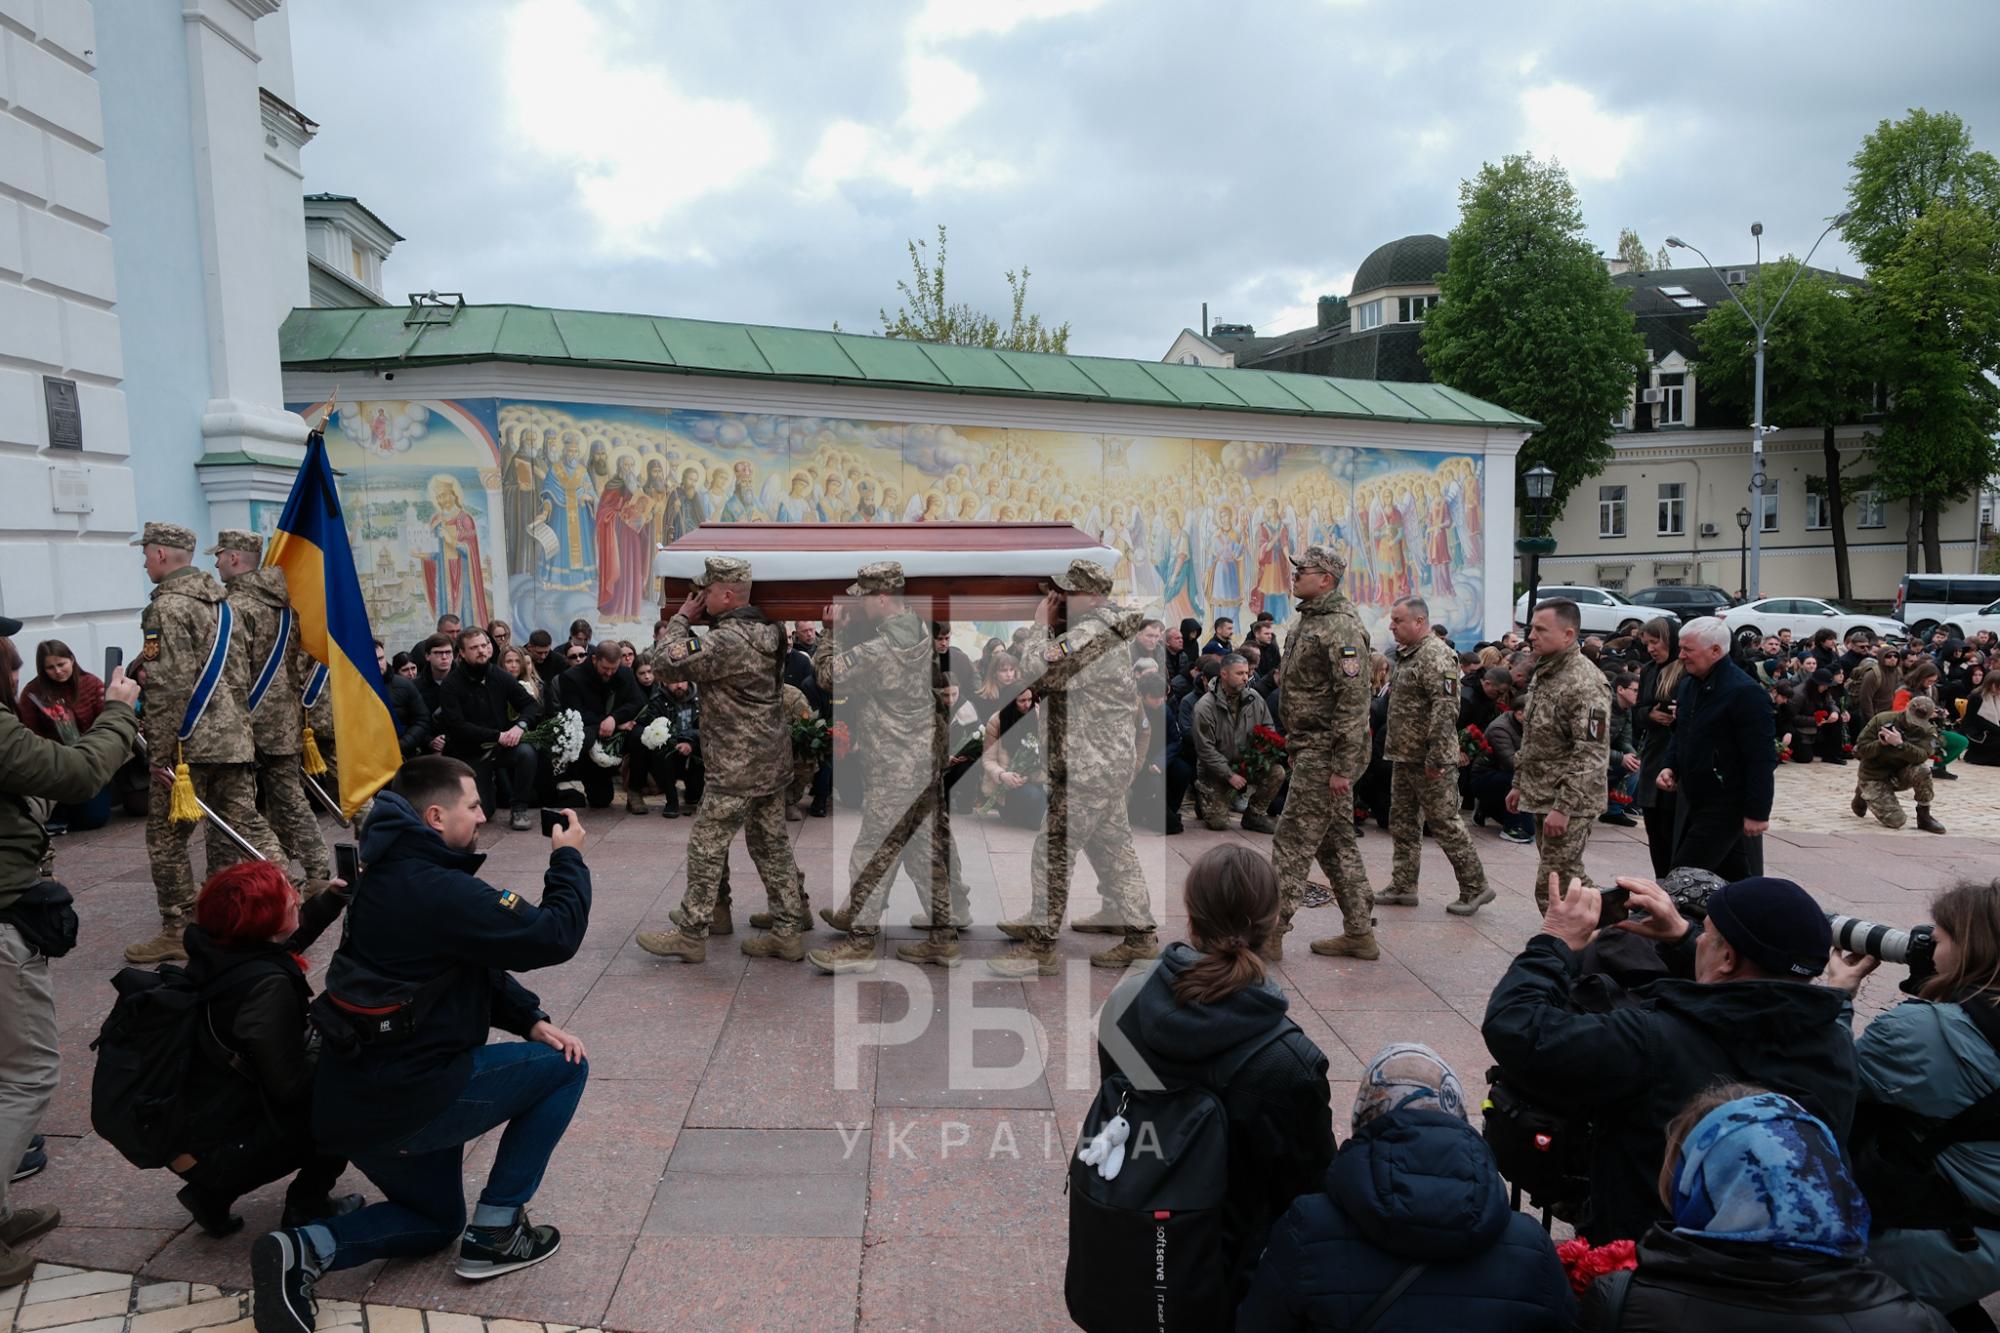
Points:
point(310, 545)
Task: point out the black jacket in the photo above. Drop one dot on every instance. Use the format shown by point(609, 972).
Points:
point(412, 714)
point(591, 695)
point(1410, 1187)
point(1280, 1128)
point(420, 911)
point(1687, 1282)
point(1721, 752)
point(1632, 1070)
point(476, 704)
point(1652, 737)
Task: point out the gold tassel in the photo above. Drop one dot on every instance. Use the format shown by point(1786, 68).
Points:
point(182, 808)
point(315, 764)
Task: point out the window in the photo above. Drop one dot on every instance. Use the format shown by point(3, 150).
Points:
point(1611, 511)
point(1770, 523)
point(1412, 309)
point(1673, 508)
point(1672, 410)
point(1819, 514)
point(1868, 505)
point(1368, 316)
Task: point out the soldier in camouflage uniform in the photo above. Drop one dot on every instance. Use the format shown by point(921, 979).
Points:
point(1325, 706)
point(1421, 742)
point(798, 709)
point(1895, 754)
point(181, 628)
point(1565, 746)
point(1083, 678)
point(257, 595)
point(902, 729)
point(746, 748)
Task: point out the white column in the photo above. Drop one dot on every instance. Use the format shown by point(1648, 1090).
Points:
point(1502, 447)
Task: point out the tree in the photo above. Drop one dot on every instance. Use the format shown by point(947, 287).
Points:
point(1662, 260)
point(927, 316)
point(1819, 369)
point(1925, 218)
point(1633, 251)
point(1529, 319)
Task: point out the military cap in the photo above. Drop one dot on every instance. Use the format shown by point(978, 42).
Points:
point(236, 539)
point(166, 534)
point(1084, 576)
point(1922, 708)
point(1323, 558)
point(879, 576)
point(723, 569)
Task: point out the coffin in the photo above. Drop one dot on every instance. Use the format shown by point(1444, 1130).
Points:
point(955, 571)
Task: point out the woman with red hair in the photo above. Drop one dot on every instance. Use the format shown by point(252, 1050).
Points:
point(254, 1084)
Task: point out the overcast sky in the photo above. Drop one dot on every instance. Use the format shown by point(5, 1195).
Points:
point(766, 162)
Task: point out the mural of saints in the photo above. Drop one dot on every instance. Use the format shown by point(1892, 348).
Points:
point(568, 510)
point(624, 543)
point(452, 572)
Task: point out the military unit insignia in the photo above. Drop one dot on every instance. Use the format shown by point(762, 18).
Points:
point(1350, 662)
point(508, 900)
point(845, 661)
point(678, 652)
point(1595, 726)
point(151, 652)
point(1056, 651)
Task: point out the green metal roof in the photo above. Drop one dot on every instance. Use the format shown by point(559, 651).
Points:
point(376, 338)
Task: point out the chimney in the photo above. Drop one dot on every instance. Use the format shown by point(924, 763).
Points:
point(1332, 312)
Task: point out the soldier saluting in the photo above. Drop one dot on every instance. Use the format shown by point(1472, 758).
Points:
point(197, 685)
point(269, 638)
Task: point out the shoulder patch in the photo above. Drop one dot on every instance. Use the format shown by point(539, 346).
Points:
point(151, 652)
point(1056, 651)
point(508, 900)
point(680, 652)
point(1595, 727)
point(846, 660)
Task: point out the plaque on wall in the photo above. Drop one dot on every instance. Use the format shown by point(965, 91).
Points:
point(65, 413)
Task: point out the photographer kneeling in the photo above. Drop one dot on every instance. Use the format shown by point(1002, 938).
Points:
point(1926, 1144)
point(1750, 1014)
point(406, 1077)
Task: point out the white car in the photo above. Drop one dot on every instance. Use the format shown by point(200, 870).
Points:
point(1964, 627)
point(1602, 611)
point(1805, 616)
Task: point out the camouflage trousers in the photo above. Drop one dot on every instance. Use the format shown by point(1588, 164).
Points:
point(907, 828)
point(289, 812)
point(1416, 799)
point(803, 773)
point(762, 819)
point(231, 791)
point(1319, 826)
point(1880, 793)
point(1560, 854)
point(1098, 825)
point(1213, 799)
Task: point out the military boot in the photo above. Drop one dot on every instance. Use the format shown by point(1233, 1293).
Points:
point(855, 953)
point(841, 919)
point(1362, 947)
point(766, 920)
point(1925, 822)
point(1136, 947)
point(1859, 805)
point(1026, 959)
point(1256, 823)
point(164, 947)
point(1466, 906)
point(720, 922)
point(1105, 921)
point(674, 944)
point(788, 945)
point(1398, 898)
point(961, 916)
point(937, 950)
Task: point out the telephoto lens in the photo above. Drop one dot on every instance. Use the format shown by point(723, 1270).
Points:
point(1913, 948)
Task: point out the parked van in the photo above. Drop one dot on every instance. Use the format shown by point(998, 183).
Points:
point(1925, 601)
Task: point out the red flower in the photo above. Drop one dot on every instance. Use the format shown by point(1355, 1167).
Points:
point(1268, 736)
point(843, 740)
point(1820, 715)
point(1586, 1264)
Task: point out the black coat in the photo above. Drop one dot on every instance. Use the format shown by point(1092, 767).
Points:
point(476, 704)
point(1721, 752)
point(419, 912)
point(594, 697)
point(1411, 1186)
point(1632, 1070)
point(1689, 1283)
point(412, 714)
point(1653, 738)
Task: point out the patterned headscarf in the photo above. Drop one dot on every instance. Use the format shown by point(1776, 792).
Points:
point(1407, 1073)
point(1762, 1170)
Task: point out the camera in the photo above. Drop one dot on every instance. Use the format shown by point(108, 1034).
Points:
point(1915, 948)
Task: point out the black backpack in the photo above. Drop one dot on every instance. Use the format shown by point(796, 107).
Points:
point(1146, 1248)
point(1543, 1153)
point(156, 1031)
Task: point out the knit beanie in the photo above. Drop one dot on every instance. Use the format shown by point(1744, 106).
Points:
point(1774, 923)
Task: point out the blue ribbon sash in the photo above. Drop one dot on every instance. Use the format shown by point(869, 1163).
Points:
point(211, 673)
point(275, 660)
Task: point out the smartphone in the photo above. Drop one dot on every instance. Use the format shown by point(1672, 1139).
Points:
point(1612, 907)
point(113, 659)
point(553, 820)
point(347, 863)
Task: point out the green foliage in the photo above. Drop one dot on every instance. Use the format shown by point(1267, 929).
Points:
point(1530, 319)
point(1908, 169)
point(1633, 251)
point(1819, 368)
point(927, 316)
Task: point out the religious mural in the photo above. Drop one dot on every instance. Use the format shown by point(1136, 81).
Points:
point(545, 512)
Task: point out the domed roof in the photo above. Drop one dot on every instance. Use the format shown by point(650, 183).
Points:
point(1411, 261)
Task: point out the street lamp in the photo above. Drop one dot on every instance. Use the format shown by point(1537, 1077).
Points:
point(1743, 552)
point(1541, 484)
point(1760, 324)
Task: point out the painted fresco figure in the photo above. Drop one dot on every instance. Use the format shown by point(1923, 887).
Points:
point(1225, 575)
point(687, 507)
point(517, 490)
point(568, 505)
point(624, 550)
point(1181, 592)
point(1273, 592)
point(453, 576)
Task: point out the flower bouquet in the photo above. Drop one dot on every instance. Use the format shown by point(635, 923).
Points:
point(1585, 1263)
point(559, 736)
point(1472, 742)
point(1784, 752)
point(843, 740)
point(657, 734)
point(608, 752)
point(1264, 751)
point(812, 739)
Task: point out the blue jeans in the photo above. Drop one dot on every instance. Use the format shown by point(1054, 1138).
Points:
point(524, 1085)
point(1621, 781)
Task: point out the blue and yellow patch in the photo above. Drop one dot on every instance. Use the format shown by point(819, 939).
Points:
point(508, 900)
point(151, 652)
point(1056, 651)
point(680, 652)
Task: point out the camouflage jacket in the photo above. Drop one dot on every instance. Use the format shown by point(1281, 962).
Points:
point(1881, 761)
point(1423, 705)
point(180, 625)
point(746, 739)
point(1085, 675)
point(1565, 738)
point(1326, 692)
point(258, 598)
point(886, 679)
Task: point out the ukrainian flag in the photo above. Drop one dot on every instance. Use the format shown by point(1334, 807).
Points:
point(310, 545)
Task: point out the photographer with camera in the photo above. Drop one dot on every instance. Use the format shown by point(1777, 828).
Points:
point(1926, 1143)
point(406, 1076)
point(1749, 1012)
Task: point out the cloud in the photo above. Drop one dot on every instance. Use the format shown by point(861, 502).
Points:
point(1252, 458)
point(1565, 122)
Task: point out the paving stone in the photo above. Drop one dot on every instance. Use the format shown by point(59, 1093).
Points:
point(109, 1324)
point(221, 1310)
point(573, 1286)
point(393, 1319)
point(929, 1282)
point(740, 1282)
point(161, 1296)
point(511, 1326)
point(441, 1322)
point(74, 1284)
point(967, 1173)
point(74, 1310)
